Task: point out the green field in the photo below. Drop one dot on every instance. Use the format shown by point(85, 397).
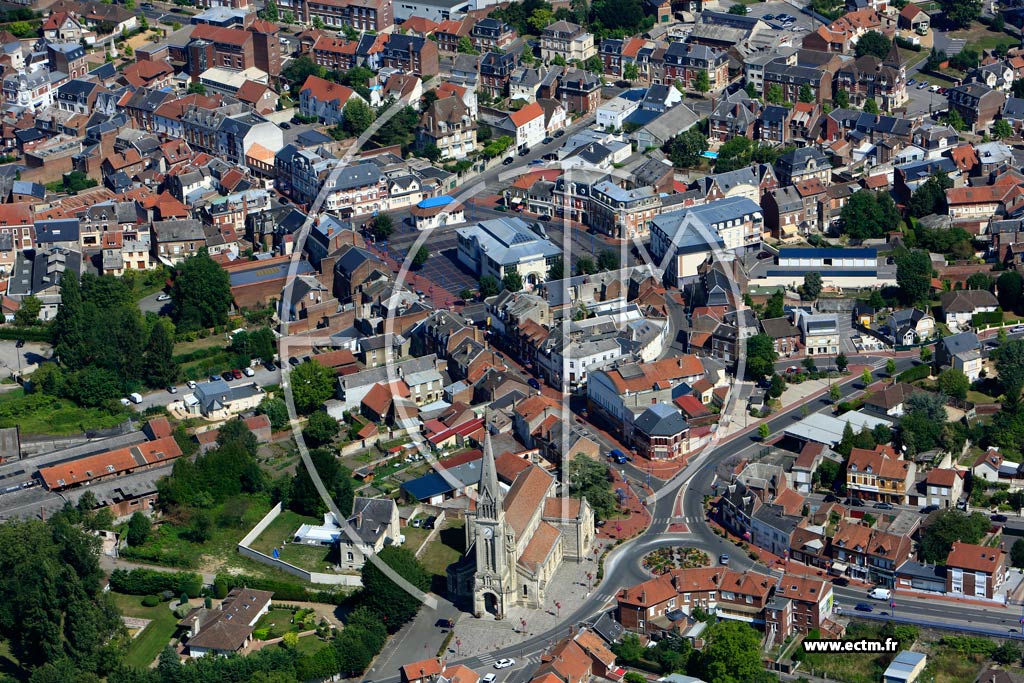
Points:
point(43, 414)
point(441, 552)
point(146, 646)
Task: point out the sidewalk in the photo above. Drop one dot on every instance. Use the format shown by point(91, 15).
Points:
point(639, 517)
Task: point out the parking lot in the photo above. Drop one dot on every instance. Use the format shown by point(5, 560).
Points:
point(802, 23)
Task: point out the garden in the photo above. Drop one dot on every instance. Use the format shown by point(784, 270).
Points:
point(664, 560)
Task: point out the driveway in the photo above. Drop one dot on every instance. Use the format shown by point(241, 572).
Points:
point(25, 359)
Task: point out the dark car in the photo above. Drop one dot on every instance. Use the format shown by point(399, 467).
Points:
point(227, 376)
point(285, 125)
point(523, 152)
point(882, 506)
point(547, 141)
point(831, 498)
point(864, 607)
point(840, 581)
point(929, 509)
point(19, 344)
point(855, 502)
point(214, 378)
point(999, 518)
point(444, 623)
point(559, 134)
point(618, 456)
point(269, 365)
point(550, 156)
point(430, 522)
point(534, 384)
point(544, 217)
point(293, 361)
point(508, 161)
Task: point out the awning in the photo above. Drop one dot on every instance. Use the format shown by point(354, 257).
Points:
point(839, 567)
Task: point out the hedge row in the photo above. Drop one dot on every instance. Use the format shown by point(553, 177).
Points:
point(915, 373)
point(198, 354)
point(151, 581)
point(283, 590)
point(34, 334)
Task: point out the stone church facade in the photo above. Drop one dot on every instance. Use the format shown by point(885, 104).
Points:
point(516, 540)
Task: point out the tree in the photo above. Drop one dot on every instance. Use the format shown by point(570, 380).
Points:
point(834, 393)
point(686, 149)
point(731, 654)
point(588, 479)
point(630, 72)
point(159, 369)
point(739, 9)
point(873, 43)
point(607, 260)
point(28, 312)
point(139, 529)
point(358, 116)
point(865, 377)
point(201, 294)
point(702, 83)
point(775, 94)
point(775, 306)
point(422, 254)
point(914, 276)
point(1009, 361)
point(540, 18)
point(960, 13)
point(270, 11)
point(828, 473)
point(930, 197)
point(812, 286)
point(512, 281)
point(276, 411)
point(761, 356)
point(1009, 651)
point(196, 88)
point(1002, 129)
point(305, 499)
point(777, 386)
point(585, 266)
point(842, 362)
point(556, 271)
point(871, 106)
point(466, 46)
point(69, 339)
point(1008, 287)
point(489, 286)
point(841, 99)
point(979, 281)
point(312, 384)
point(922, 423)
point(867, 215)
point(955, 121)
point(947, 527)
point(890, 367)
point(320, 429)
point(763, 430)
point(953, 382)
point(1017, 553)
point(382, 227)
point(391, 601)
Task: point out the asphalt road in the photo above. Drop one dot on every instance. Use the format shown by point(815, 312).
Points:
point(262, 377)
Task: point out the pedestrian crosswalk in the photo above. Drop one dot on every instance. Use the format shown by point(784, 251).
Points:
point(678, 520)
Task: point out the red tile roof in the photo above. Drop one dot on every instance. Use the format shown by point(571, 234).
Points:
point(976, 558)
point(526, 114)
point(944, 477)
point(326, 91)
point(525, 497)
point(219, 34)
point(119, 461)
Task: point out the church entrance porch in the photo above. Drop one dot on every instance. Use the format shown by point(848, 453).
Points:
point(491, 604)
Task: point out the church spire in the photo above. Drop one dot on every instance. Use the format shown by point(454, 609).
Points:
point(488, 492)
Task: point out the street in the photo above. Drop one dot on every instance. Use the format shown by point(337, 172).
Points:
point(162, 397)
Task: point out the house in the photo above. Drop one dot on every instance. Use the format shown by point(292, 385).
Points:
point(109, 464)
point(176, 240)
point(227, 629)
point(799, 604)
point(879, 475)
point(218, 400)
point(374, 524)
point(961, 351)
point(819, 332)
point(988, 466)
point(890, 399)
point(567, 40)
point(38, 273)
point(785, 335)
point(944, 487)
point(660, 433)
point(501, 245)
point(977, 104)
point(448, 125)
point(526, 126)
point(684, 63)
point(960, 306)
point(623, 389)
point(324, 100)
point(909, 326)
point(974, 570)
point(803, 163)
point(579, 91)
point(913, 18)
point(735, 115)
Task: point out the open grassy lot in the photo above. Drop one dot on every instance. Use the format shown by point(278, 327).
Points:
point(43, 414)
point(981, 38)
point(442, 551)
point(281, 530)
point(146, 646)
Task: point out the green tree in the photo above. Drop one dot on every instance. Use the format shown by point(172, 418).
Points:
point(512, 281)
point(979, 281)
point(1002, 129)
point(389, 599)
point(358, 116)
point(764, 431)
point(159, 369)
point(739, 9)
point(774, 94)
point(28, 311)
point(201, 294)
point(382, 227)
point(320, 429)
point(422, 254)
point(777, 386)
point(588, 479)
point(630, 72)
point(914, 276)
point(731, 654)
point(806, 94)
point(948, 526)
point(312, 384)
point(960, 13)
point(556, 271)
point(686, 149)
point(890, 367)
point(702, 83)
point(270, 11)
point(197, 88)
point(1009, 362)
point(842, 362)
point(585, 266)
point(867, 215)
point(871, 106)
point(841, 99)
point(69, 339)
point(466, 46)
point(489, 286)
point(953, 382)
point(812, 286)
point(775, 306)
point(828, 473)
point(607, 260)
point(1009, 286)
point(540, 19)
point(1017, 553)
point(276, 411)
point(834, 393)
point(139, 529)
point(306, 500)
point(921, 425)
point(761, 356)
point(866, 378)
point(875, 44)
point(955, 121)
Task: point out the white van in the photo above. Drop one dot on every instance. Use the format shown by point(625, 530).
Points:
point(880, 593)
point(136, 398)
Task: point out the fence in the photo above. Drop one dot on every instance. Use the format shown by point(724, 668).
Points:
point(313, 577)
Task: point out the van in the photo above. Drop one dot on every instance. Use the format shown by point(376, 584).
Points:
point(880, 593)
point(136, 398)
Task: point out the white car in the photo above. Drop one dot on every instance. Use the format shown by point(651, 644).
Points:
point(489, 678)
point(190, 384)
point(504, 663)
point(248, 372)
point(164, 297)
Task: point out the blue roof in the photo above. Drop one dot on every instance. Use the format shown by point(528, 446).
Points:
point(427, 486)
point(809, 252)
point(434, 202)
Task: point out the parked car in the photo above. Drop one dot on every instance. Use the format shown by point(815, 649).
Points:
point(20, 344)
point(618, 456)
point(214, 378)
point(524, 151)
point(504, 663)
point(163, 297)
point(929, 509)
point(293, 361)
point(489, 678)
point(547, 141)
point(237, 374)
point(911, 81)
point(559, 133)
point(172, 389)
point(878, 593)
point(248, 372)
point(534, 384)
point(883, 506)
point(1017, 328)
point(445, 623)
point(125, 402)
point(840, 581)
point(723, 560)
point(508, 161)
point(417, 523)
point(285, 125)
point(999, 518)
point(864, 607)
point(135, 397)
point(544, 217)
point(190, 384)
point(855, 502)
point(831, 498)
point(768, 17)
point(429, 522)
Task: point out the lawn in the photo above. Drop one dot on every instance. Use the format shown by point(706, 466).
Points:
point(278, 622)
point(172, 544)
point(146, 646)
point(981, 38)
point(414, 537)
point(315, 558)
point(281, 530)
point(43, 414)
point(448, 547)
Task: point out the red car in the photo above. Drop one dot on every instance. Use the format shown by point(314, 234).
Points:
point(237, 374)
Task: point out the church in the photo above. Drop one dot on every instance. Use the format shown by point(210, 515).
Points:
point(516, 540)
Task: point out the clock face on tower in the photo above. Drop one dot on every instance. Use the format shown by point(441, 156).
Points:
point(488, 533)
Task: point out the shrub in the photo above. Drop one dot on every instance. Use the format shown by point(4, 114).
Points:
point(261, 633)
point(915, 373)
point(150, 601)
point(152, 582)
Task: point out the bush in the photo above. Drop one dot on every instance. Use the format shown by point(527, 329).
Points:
point(915, 373)
point(992, 317)
point(150, 601)
point(151, 582)
point(261, 633)
point(282, 589)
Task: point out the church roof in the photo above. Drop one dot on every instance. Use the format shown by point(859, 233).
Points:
point(540, 546)
point(562, 508)
point(525, 497)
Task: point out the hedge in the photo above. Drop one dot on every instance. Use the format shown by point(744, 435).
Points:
point(198, 354)
point(33, 334)
point(915, 373)
point(283, 590)
point(991, 317)
point(150, 601)
point(151, 582)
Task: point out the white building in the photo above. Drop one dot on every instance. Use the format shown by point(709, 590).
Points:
point(613, 113)
point(503, 245)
